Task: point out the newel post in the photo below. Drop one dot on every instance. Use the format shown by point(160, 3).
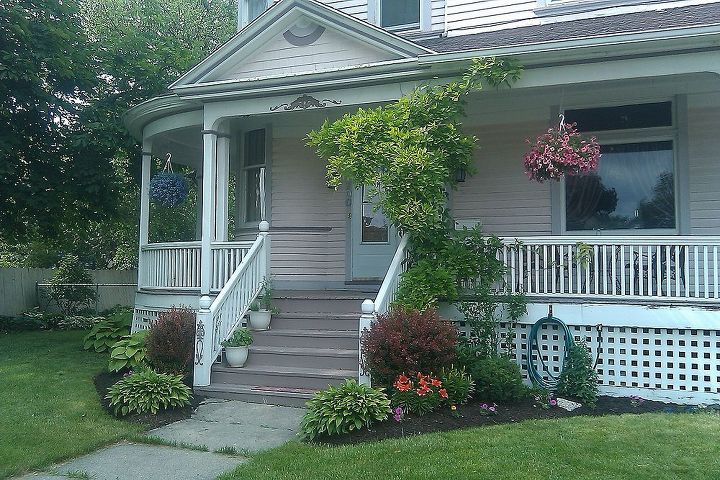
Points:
point(264, 228)
point(368, 315)
point(203, 343)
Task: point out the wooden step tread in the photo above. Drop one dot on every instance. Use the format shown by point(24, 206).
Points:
point(294, 332)
point(257, 389)
point(288, 371)
point(309, 351)
point(306, 315)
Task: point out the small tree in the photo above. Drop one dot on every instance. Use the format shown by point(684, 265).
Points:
point(578, 378)
point(69, 286)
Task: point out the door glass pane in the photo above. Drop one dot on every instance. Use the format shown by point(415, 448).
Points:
point(252, 195)
point(255, 147)
point(622, 117)
point(633, 189)
point(375, 226)
point(396, 13)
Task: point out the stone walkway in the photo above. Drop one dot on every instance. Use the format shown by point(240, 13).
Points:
point(217, 438)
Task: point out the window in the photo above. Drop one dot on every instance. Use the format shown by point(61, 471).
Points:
point(375, 226)
point(634, 186)
point(253, 165)
point(400, 14)
point(249, 10)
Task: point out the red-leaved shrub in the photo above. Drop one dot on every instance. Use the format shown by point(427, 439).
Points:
point(171, 341)
point(407, 341)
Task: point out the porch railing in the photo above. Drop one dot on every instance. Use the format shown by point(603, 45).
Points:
point(218, 319)
point(177, 265)
point(683, 268)
point(384, 299)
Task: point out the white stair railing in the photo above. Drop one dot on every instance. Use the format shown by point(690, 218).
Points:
point(217, 319)
point(384, 299)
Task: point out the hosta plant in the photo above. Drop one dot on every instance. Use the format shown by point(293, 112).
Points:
point(147, 391)
point(107, 332)
point(559, 152)
point(420, 394)
point(128, 352)
point(342, 409)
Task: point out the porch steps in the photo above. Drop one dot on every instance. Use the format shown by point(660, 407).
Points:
point(311, 344)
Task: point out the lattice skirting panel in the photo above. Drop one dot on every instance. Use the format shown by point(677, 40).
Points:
point(659, 353)
point(143, 317)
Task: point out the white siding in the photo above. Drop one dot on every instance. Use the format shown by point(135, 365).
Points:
point(278, 57)
point(301, 201)
point(499, 195)
point(437, 21)
point(356, 8)
point(704, 153)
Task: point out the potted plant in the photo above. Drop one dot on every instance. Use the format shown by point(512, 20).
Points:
point(261, 309)
point(236, 347)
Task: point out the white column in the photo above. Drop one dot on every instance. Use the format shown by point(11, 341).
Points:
point(222, 179)
point(208, 210)
point(144, 207)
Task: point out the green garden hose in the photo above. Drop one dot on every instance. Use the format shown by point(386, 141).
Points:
point(535, 375)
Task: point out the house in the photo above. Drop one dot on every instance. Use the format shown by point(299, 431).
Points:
point(628, 259)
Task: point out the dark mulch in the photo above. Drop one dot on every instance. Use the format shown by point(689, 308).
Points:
point(105, 380)
point(471, 415)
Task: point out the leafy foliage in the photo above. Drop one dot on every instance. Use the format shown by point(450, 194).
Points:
point(71, 299)
point(128, 352)
point(171, 341)
point(578, 378)
point(420, 395)
point(498, 379)
point(407, 341)
point(147, 391)
point(242, 337)
point(416, 141)
point(342, 409)
point(458, 385)
point(107, 332)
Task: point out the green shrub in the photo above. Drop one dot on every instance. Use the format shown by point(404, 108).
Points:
point(71, 299)
point(242, 337)
point(578, 378)
point(107, 332)
point(344, 408)
point(498, 379)
point(458, 385)
point(79, 322)
point(45, 320)
point(128, 352)
point(147, 391)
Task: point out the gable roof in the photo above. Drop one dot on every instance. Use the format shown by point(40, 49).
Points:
point(277, 20)
point(639, 22)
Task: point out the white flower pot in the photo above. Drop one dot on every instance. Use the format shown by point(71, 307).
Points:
point(260, 320)
point(236, 356)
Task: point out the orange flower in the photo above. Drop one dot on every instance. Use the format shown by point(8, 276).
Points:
point(443, 393)
point(402, 378)
point(421, 391)
point(436, 382)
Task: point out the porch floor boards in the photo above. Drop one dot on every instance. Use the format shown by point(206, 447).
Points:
point(313, 343)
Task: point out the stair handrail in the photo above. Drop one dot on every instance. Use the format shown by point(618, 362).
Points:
point(218, 319)
point(384, 299)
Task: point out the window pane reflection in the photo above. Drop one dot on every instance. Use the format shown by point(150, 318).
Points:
point(632, 189)
point(375, 226)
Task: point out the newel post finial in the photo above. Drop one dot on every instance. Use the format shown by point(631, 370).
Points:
point(264, 227)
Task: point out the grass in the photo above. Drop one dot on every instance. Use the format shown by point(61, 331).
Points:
point(49, 410)
point(153, 440)
point(637, 447)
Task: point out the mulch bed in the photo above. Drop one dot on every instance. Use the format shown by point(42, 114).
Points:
point(105, 380)
point(471, 415)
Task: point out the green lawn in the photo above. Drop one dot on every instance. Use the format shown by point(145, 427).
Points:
point(49, 410)
point(633, 447)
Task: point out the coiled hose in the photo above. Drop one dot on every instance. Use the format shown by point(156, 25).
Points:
point(535, 375)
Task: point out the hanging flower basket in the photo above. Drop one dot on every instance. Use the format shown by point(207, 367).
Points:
point(167, 188)
point(559, 152)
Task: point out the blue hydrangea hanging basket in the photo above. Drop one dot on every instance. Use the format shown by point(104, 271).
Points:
point(167, 188)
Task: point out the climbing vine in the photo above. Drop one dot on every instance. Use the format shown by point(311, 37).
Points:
point(408, 153)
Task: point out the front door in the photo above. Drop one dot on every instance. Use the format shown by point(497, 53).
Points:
point(373, 240)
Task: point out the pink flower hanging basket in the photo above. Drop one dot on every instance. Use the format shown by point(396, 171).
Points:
point(561, 151)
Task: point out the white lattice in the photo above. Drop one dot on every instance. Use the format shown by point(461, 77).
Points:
point(142, 318)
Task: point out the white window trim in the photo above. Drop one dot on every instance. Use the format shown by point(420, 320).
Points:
point(618, 137)
point(425, 25)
